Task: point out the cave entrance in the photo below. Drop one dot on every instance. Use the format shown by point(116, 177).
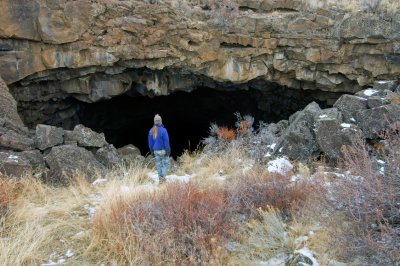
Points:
point(187, 116)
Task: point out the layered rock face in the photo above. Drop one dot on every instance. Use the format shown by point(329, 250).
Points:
point(53, 53)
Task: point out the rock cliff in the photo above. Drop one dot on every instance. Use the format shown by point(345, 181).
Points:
point(97, 49)
point(57, 53)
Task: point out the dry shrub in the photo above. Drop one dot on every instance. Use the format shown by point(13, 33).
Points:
point(260, 191)
point(243, 127)
point(227, 134)
point(9, 190)
point(179, 225)
point(265, 238)
point(369, 196)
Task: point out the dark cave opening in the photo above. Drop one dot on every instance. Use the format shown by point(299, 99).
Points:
point(127, 118)
point(187, 116)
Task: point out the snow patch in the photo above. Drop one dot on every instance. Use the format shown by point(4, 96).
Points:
point(91, 210)
point(69, 253)
point(181, 178)
point(382, 81)
point(99, 181)
point(294, 178)
point(345, 125)
point(170, 178)
point(277, 261)
point(273, 146)
point(280, 165)
point(381, 162)
point(323, 116)
point(370, 92)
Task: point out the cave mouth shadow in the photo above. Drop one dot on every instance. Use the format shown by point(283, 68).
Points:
point(187, 116)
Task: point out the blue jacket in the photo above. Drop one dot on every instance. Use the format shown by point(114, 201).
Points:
point(161, 142)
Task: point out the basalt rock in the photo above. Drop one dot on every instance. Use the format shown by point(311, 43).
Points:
point(68, 160)
point(65, 52)
point(48, 136)
point(355, 117)
point(86, 137)
point(108, 156)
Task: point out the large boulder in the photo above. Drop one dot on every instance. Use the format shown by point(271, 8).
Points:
point(15, 141)
point(88, 138)
point(129, 153)
point(331, 134)
point(373, 121)
point(298, 141)
point(8, 105)
point(348, 105)
point(48, 136)
point(67, 160)
point(108, 156)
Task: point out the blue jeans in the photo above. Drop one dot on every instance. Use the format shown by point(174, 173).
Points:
point(162, 163)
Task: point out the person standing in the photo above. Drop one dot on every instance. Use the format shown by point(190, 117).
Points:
point(159, 146)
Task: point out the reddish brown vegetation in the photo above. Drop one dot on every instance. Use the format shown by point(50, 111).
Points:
point(8, 192)
point(227, 134)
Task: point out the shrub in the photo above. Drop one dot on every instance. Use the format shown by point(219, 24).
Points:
point(178, 226)
point(265, 238)
point(255, 143)
point(9, 190)
point(253, 192)
point(227, 134)
point(369, 196)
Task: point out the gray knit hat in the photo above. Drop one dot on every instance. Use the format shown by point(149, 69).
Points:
point(157, 119)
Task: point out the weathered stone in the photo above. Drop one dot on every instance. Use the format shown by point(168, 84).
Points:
point(48, 136)
point(8, 105)
point(15, 141)
point(108, 156)
point(129, 153)
point(373, 121)
point(13, 165)
point(88, 138)
point(385, 85)
point(321, 49)
point(68, 160)
point(376, 101)
point(298, 143)
point(69, 138)
point(348, 105)
point(331, 134)
point(34, 157)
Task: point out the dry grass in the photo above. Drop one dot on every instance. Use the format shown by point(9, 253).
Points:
point(176, 226)
point(38, 220)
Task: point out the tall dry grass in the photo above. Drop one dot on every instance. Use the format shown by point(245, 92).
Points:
point(38, 219)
